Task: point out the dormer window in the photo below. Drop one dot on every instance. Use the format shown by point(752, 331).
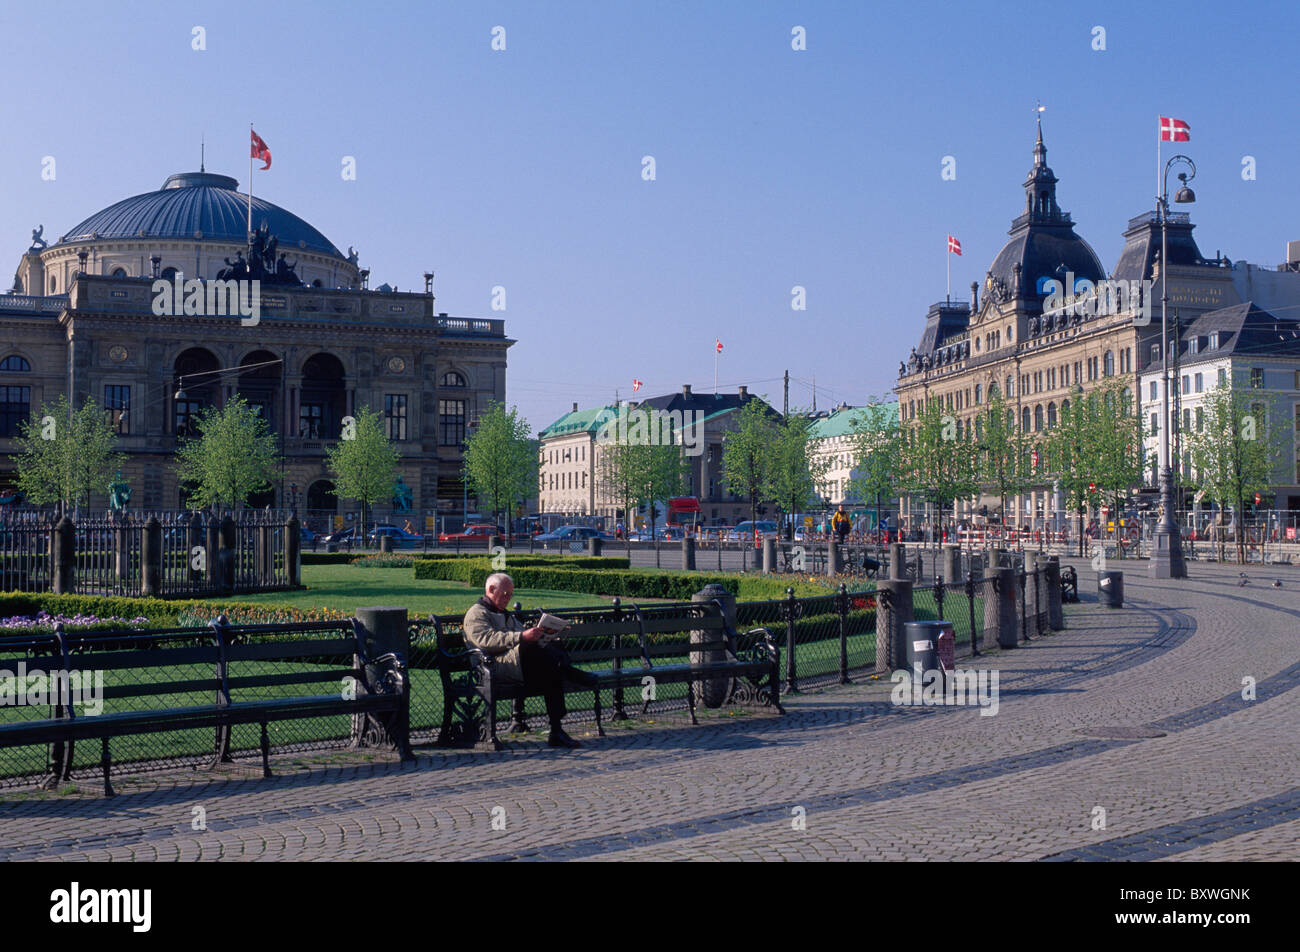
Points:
point(1214, 341)
point(1193, 345)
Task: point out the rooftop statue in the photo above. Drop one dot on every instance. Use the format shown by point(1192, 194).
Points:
point(38, 242)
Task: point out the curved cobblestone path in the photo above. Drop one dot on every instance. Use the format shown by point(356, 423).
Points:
point(1138, 713)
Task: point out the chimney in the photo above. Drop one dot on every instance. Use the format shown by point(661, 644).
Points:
point(575, 408)
point(686, 390)
point(744, 394)
point(1293, 253)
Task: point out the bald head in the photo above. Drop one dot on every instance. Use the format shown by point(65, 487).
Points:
point(498, 588)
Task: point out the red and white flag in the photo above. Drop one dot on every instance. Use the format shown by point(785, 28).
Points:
point(1174, 130)
point(636, 385)
point(717, 345)
point(259, 150)
point(954, 246)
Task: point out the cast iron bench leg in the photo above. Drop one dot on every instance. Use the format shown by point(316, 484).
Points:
point(266, 752)
point(690, 700)
point(600, 728)
point(105, 761)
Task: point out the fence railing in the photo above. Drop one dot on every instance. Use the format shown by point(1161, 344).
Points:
point(825, 639)
point(141, 554)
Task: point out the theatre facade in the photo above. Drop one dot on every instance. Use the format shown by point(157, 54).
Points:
point(82, 319)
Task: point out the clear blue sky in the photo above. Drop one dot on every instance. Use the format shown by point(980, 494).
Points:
point(775, 168)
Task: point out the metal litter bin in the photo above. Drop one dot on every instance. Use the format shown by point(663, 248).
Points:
point(921, 639)
point(1110, 588)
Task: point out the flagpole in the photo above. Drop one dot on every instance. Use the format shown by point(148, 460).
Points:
point(715, 368)
point(1159, 136)
point(948, 256)
point(250, 193)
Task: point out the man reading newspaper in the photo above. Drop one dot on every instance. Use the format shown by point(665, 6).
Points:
point(531, 656)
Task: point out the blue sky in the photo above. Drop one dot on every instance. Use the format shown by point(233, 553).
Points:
point(774, 168)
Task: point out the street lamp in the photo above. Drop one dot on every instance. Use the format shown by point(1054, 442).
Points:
point(1167, 556)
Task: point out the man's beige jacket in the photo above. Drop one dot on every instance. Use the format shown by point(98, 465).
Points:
point(496, 634)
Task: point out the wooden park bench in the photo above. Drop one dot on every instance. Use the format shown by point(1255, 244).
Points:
point(181, 679)
point(623, 648)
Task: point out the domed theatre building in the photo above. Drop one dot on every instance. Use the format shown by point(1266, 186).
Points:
point(82, 319)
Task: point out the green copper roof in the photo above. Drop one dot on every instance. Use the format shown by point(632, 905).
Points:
point(841, 422)
point(580, 421)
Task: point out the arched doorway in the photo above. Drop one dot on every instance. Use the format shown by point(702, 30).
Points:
point(197, 385)
point(322, 504)
point(324, 398)
point(261, 387)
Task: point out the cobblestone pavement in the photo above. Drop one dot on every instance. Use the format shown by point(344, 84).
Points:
point(1125, 736)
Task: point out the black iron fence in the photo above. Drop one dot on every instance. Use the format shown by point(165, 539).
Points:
point(824, 639)
point(148, 553)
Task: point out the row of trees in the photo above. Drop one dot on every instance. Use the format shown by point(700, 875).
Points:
point(68, 454)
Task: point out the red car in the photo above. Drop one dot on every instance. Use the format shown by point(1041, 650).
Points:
point(478, 533)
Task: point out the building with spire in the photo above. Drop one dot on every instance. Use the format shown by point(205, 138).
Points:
point(1040, 352)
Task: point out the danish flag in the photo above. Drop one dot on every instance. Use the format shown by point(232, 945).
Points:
point(258, 149)
point(636, 385)
point(1174, 130)
point(954, 246)
point(717, 344)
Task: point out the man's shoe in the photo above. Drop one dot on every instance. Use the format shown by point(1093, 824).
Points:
point(559, 738)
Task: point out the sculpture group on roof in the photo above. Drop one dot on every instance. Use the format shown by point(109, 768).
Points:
point(262, 263)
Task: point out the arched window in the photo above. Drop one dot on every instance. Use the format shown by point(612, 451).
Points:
point(1038, 418)
point(1051, 415)
point(54, 285)
point(978, 393)
point(169, 274)
point(1108, 364)
point(119, 273)
point(1024, 420)
point(453, 379)
point(15, 364)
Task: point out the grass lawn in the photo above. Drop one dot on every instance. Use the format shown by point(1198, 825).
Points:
point(350, 587)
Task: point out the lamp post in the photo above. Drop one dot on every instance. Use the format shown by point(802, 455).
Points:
point(1167, 556)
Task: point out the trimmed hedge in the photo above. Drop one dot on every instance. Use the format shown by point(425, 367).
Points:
point(162, 613)
point(327, 558)
point(632, 583)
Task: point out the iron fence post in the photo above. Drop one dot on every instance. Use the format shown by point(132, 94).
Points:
point(791, 684)
point(619, 713)
point(1024, 618)
point(938, 596)
point(843, 600)
point(970, 601)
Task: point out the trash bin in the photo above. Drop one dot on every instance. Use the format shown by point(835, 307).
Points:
point(1110, 588)
point(921, 639)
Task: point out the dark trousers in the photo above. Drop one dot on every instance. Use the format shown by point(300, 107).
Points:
point(544, 670)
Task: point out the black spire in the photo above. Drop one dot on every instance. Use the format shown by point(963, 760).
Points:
point(1040, 187)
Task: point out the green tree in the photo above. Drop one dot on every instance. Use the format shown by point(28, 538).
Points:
point(233, 455)
point(793, 473)
point(1235, 452)
point(616, 476)
point(363, 462)
point(1116, 449)
point(657, 471)
point(500, 460)
point(66, 454)
point(1001, 448)
point(877, 450)
point(1070, 447)
point(937, 464)
point(745, 453)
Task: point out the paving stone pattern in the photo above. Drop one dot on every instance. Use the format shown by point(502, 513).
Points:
point(1135, 712)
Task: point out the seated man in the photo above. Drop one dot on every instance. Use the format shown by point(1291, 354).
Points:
point(519, 655)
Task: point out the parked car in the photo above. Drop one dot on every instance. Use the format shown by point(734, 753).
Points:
point(306, 535)
point(478, 533)
point(744, 531)
point(401, 538)
point(572, 534)
point(346, 535)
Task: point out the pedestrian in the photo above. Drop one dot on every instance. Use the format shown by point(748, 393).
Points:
point(840, 525)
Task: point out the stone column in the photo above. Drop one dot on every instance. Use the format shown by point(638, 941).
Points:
point(63, 556)
point(897, 555)
point(1052, 590)
point(1001, 626)
point(833, 556)
point(688, 553)
point(384, 630)
point(151, 556)
point(713, 691)
point(292, 545)
point(893, 611)
point(769, 556)
point(951, 563)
